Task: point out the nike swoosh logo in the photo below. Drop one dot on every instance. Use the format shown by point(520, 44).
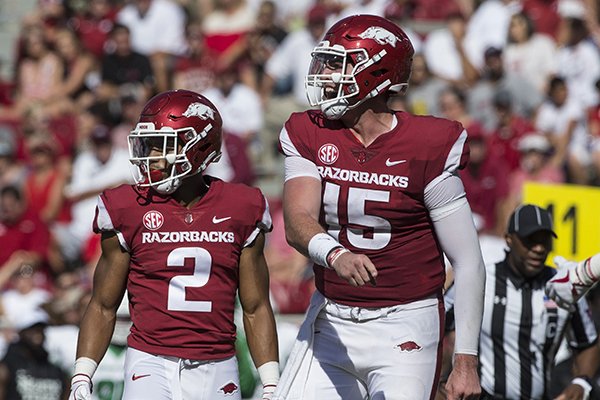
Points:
point(135, 377)
point(219, 220)
point(391, 163)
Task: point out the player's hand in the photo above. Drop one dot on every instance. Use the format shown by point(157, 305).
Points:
point(573, 392)
point(463, 382)
point(81, 388)
point(357, 269)
point(561, 287)
point(268, 391)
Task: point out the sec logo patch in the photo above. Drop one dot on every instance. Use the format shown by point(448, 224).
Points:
point(153, 220)
point(328, 153)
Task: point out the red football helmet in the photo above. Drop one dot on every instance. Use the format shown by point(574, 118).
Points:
point(181, 127)
point(359, 57)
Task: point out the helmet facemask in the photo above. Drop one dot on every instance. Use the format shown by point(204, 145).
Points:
point(148, 146)
point(332, 82)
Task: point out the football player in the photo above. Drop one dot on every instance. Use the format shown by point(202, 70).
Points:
point(182, 244)
point(573, 280)
point(373, 197)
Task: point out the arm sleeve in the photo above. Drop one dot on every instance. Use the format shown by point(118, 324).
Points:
point(582, 333)
point(297, 166)
point(458, 238)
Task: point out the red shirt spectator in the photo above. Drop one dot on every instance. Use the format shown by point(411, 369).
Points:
point(485, 181)
point(25, 238)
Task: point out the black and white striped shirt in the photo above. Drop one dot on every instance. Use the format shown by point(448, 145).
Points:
point(521, 332)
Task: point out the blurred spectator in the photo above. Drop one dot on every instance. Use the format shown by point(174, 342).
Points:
point(424, 89)
point(238, 103)
point(43, 190)
point(93, 25)
point(130, 113)
point(158, 32)
point(544, 15)
point(12, 171)
point(524, 97)
point(562, 119)
point(504, 141)
point(488, 27)
point(124, 71)
point(263, 40)
point(292, 58)
point(448, 54)
point(40, 74)
point(453, 106)
point(81, 71)
point(528, 54)
point(25, 238)
point(399, 11)
point(372, 7)
point(101, 167)
point(225, 29)
point(291, 278)
point(578, 61)
point(242, 113)
point(195, 70)
point(593, 122)
point(25, 371)
point(485, 183)
point(50, 16)
point(535, 166)
point(25, 296)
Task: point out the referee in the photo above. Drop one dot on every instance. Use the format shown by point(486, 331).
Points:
point(522, 329)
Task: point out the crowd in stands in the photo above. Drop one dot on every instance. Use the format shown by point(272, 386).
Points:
point(522, 76)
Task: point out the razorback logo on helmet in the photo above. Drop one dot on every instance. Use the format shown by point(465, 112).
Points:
point(229, 388)
point(153, 220)
point(199, 110)
point(328, 153)
point(380, 35)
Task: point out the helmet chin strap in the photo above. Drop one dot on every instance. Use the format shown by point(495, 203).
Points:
point(336, 108)
point(168, 187)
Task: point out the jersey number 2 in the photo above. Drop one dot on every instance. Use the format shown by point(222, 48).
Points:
point(178, 284)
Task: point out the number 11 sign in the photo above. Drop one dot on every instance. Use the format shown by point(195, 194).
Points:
point(576, 214)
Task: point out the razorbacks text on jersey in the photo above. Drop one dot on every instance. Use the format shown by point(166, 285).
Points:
point(183, 274)
point(373, 200)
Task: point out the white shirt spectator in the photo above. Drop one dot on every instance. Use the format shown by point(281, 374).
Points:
point(553, 120)
point(488, 27)
point(442, 56)
point(90, 175)
point(292, 58)
point(162, 29)
point(534, 60)
point(17, 304)
point(580, 66)
point(241, 111)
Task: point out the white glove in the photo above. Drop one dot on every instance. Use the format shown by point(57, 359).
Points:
point(81, 388)
point(268, 391)
point(564, 288)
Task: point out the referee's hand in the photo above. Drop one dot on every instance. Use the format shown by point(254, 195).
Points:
point(463, 382)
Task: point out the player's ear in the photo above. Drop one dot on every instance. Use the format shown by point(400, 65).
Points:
point(509, 240)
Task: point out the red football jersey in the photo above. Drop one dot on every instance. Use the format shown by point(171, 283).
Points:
point(184, 275)
point(372, 200)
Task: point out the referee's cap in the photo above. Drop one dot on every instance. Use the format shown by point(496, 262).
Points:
point(528, 219)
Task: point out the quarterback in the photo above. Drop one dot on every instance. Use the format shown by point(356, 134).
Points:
point(374, 198)
point(182, 244)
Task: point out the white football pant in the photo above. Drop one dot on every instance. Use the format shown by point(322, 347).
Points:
point(391, 353)
point(151, 377)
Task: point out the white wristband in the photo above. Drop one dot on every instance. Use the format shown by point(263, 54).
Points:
point(85, 366)
point(585, 385)
point(320, 246)
point(269, 373)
